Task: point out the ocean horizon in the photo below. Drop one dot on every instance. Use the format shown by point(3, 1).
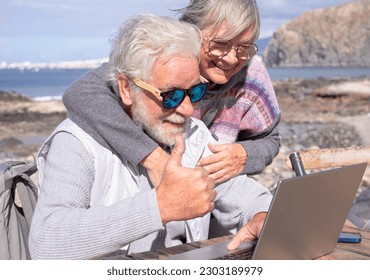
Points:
point(49, 84)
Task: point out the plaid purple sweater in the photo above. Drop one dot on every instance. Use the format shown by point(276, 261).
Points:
point(250, 106)
point(245, 110)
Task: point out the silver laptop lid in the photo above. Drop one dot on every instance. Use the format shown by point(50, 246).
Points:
point(304, 221)
point(307, 214)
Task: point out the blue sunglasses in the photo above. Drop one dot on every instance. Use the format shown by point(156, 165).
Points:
point(173, 98)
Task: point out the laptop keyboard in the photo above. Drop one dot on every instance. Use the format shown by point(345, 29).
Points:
point(246, 255)
point(217, 251)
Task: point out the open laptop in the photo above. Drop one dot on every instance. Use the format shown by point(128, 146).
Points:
point(305, 218)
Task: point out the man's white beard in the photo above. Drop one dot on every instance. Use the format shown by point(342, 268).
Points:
point(160, 134)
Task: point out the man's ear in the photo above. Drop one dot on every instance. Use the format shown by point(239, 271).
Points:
point(124, 90)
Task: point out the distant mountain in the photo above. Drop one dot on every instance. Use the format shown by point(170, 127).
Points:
point(79, 64)
point(337, 36)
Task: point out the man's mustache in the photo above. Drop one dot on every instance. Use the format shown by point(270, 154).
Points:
point(176, 118)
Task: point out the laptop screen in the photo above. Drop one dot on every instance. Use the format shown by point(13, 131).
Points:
point(305, 218)
point(307, 214)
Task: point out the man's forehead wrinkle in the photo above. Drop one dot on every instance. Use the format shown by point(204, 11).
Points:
point(167, 68)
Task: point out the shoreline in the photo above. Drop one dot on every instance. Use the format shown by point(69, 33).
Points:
point(32, 83)
point(316, 113)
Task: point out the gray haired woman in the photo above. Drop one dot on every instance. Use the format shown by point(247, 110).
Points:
point(240, 107)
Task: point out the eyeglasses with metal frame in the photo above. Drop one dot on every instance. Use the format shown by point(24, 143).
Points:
point(219, 48)
point(173, 98)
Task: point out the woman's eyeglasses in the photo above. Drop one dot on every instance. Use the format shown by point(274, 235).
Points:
point(173, 98)
point(221, 48)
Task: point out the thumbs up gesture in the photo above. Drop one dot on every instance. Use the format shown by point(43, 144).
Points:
point(184, 193)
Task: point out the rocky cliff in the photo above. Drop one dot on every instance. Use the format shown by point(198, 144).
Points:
point(337, 36)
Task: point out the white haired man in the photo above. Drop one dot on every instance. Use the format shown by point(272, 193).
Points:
point(92, 202)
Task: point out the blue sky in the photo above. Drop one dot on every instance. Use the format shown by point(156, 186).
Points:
point(61, 30)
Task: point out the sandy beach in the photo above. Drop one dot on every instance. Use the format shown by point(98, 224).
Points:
point(320, 113)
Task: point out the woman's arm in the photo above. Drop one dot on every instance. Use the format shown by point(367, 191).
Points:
point(261, 146)
point(93, 105)
point(261, 150)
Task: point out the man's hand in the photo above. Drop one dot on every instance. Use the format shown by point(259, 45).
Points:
point(250, 231)
point(154, 163)
point(184, 193)
point(228, 161)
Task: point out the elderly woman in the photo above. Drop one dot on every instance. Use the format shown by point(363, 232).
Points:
point(240, 108)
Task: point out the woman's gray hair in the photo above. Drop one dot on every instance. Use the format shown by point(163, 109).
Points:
point(239, 15)
point(142, 39)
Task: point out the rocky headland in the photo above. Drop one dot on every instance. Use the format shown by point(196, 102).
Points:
point(330, 37)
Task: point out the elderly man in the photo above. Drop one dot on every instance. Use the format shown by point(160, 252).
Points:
point(92, 203)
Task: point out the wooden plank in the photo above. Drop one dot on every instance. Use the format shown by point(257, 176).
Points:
point(327, 158)
point(347, 251)
point(340, 254)
point(150, 255)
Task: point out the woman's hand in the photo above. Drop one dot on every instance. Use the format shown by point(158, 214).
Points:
point(227, 161)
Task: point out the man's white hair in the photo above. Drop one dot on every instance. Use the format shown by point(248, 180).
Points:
point(142, 39)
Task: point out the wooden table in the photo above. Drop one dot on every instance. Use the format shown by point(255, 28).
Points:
point(346, 251)
point(342, 251)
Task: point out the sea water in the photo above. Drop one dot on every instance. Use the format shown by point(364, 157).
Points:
point(41, 84)
point(45, 84)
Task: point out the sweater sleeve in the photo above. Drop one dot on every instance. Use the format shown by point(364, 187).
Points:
point(238, 200)
point(92, 104)
point(261, 150)
point(262, 146)
point(65, 226)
